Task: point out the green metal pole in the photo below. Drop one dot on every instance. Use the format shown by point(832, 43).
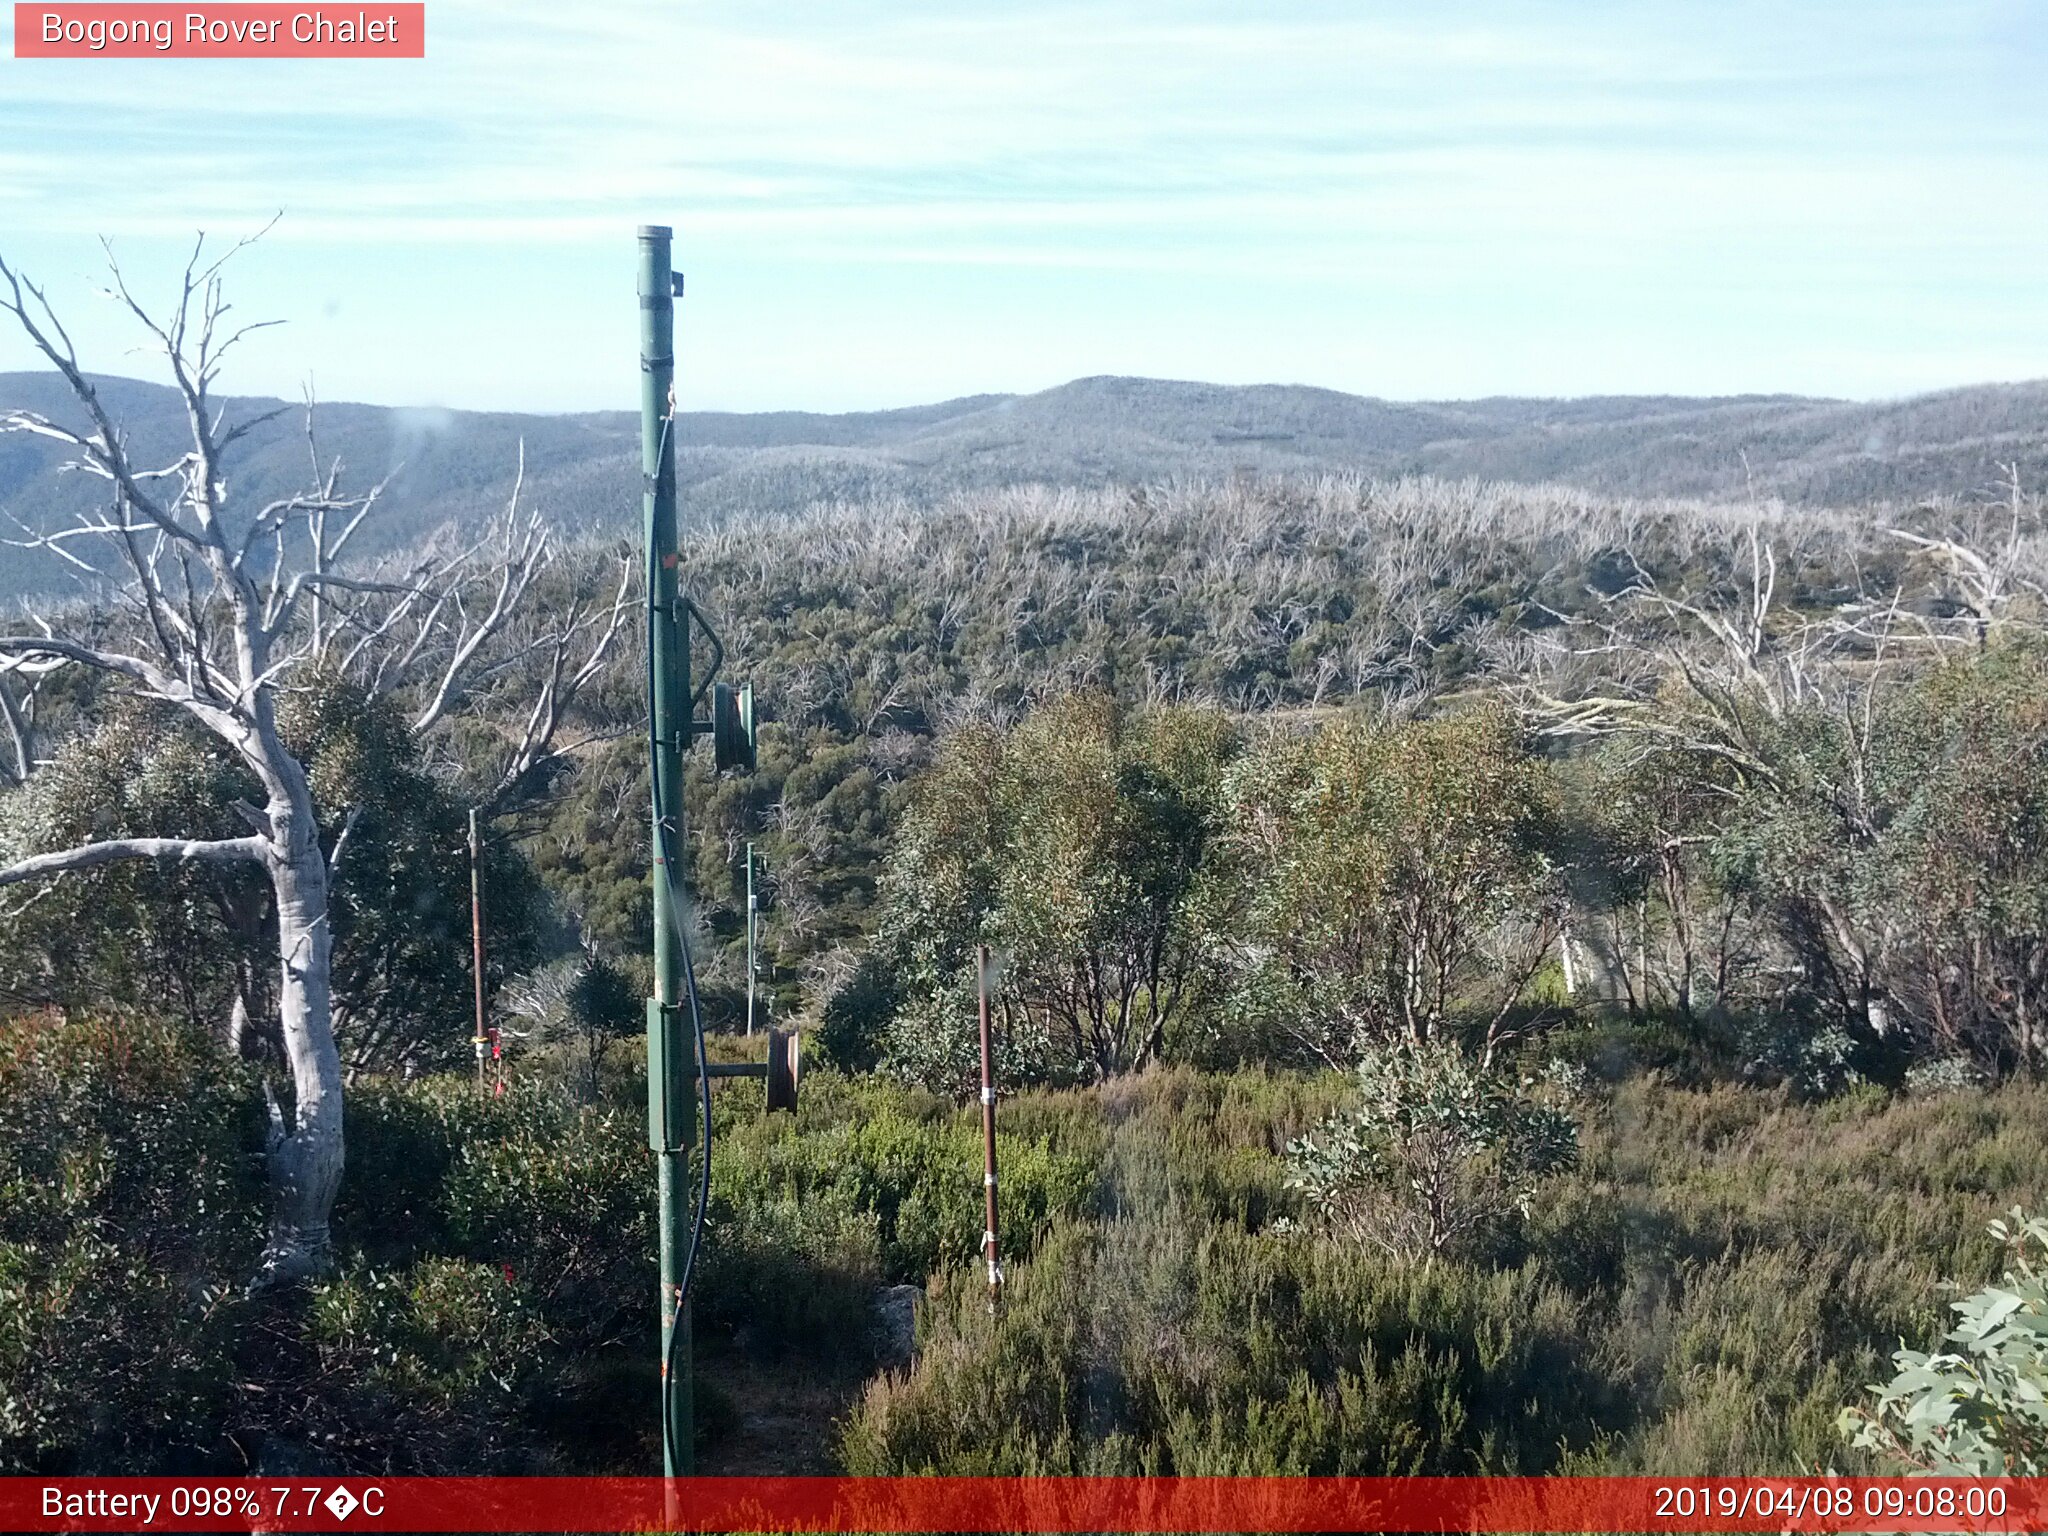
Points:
point(752, 908)
point(671, 1064)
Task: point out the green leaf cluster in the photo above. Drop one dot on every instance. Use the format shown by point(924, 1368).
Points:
point(1978, 1408)
point(1438, 1156)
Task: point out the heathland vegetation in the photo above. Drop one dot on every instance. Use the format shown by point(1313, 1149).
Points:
point(450, 466)
point(1489, 978)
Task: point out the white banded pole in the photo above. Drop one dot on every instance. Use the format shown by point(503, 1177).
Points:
point(988, 1130)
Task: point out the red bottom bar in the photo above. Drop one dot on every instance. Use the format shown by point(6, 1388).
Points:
point(972, 1504)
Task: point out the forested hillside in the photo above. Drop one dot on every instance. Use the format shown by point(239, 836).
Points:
point(448, 466)
point(1487, 978)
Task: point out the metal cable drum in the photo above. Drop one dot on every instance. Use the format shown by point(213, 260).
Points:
point(784, 1068)
point(732, 726)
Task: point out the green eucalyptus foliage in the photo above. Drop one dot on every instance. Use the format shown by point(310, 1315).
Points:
point(1973, 962)
point(1978, 1408)
point(1150, 884)
point(1073, 846)
point(1904, 855)
point(1658, 904)
point(402, 970)
point(1439, 1157)
point(130, 935)
point(185, 941)
point(1380, 881)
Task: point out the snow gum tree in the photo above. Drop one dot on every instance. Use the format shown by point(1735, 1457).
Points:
point(216, 610)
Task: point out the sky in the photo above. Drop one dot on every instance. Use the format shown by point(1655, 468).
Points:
point(881, 204)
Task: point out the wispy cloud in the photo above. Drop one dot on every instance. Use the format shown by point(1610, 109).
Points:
point(1786, 155)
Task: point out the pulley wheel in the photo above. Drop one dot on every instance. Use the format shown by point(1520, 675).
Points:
point(732, 726)
point(783, 1068)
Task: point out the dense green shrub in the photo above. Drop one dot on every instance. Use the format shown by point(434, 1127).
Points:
point(562, 1201)
point(854, 1030)
point(869, 1184)
point(1438, 1157)
point(130, 1213)
point(404, 1139)
point(1814, 1058)
point(462, 1206)
point(1613, 1049)
point(1142, 1348)
point(1700, 1292)
point(1719, 1272)
point(426, 1371)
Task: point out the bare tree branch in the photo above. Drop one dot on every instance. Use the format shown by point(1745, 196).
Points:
point(523, 549)
point(177, 850)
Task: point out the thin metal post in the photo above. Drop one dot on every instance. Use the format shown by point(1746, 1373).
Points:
point(753, 908)
point(988, 1130)
point(476, 941)
point(671, 1066)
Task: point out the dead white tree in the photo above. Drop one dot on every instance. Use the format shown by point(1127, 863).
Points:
point(16, 715)
point(223, 610)
point(1988, 579)
point(1697, 676)
point(1716, 678)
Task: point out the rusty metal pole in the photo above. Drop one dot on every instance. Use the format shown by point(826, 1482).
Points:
point(476, 940)
point(988, 1130)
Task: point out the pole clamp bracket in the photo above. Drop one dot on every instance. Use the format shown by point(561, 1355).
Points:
point(671, 1078)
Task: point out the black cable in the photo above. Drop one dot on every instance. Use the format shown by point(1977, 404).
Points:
point(666, 854)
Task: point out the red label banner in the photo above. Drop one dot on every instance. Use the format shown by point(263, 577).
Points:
point(966, 1504)
point(235, 31)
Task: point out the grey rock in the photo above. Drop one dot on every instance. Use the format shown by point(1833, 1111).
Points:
point(896, 1323)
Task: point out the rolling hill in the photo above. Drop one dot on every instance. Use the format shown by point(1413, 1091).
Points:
point(457, 465)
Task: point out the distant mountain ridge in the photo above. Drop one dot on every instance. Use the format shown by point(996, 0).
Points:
point(584, 468)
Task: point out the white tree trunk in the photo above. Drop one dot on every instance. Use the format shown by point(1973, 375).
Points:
point(306, 1159)
point(219, 631)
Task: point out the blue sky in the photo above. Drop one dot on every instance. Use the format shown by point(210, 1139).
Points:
point(886, 203)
